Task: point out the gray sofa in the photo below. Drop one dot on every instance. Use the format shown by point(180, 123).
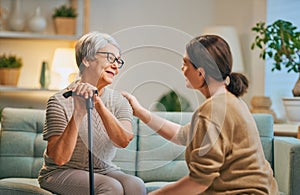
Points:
point(148, 156)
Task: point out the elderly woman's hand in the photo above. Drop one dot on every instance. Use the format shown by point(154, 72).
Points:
point(82, 92)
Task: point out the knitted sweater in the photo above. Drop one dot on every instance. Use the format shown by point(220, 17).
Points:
point(58, 114)
point(224, 150)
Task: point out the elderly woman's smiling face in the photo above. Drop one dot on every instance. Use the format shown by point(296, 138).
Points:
point(104, 68)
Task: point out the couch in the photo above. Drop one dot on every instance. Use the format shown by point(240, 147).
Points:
point(148, 156)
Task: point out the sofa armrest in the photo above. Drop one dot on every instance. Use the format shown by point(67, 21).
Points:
point(286, 164)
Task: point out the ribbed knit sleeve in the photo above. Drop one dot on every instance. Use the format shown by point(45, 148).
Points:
point(56, 120)
point(117, 104)
point(124, 110)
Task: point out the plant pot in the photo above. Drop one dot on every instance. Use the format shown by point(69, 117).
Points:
point(65, 25)
point(292, 109)
point(9, 76)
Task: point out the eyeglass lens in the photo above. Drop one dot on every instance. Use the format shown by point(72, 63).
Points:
point(111, 58)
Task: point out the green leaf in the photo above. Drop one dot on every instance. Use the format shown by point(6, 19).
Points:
point(10, 61)
point(279, 41)
point(173, 102)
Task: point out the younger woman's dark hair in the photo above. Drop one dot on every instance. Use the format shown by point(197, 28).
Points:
point(212, 53)
point(238, 84)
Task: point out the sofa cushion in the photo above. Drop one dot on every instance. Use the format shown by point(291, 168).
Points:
point(20, 186)
point(125, 157)
point(159, 159)
point(22, 149)
point(264, 123)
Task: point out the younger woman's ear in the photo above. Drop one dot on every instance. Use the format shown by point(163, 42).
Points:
point(201, 72)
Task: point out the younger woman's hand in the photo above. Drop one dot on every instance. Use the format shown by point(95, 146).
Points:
point(136, 107)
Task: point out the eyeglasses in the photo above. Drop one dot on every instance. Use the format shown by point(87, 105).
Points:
point(111, 58)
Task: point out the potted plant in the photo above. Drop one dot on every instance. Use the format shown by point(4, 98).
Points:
point(65, 20)
point(172, 102)
point(10, 66)
point(280, 41)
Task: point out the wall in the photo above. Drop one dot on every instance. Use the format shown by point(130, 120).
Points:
point(153, 35)
point(276, 86)
point(244, 20)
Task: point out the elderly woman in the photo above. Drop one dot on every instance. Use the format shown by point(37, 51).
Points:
point(65, 169)
point(223, 149)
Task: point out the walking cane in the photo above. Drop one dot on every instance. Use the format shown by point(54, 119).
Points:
point(89, 107)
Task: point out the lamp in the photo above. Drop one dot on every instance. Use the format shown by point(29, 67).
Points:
point(230, 35)
point(63, 67)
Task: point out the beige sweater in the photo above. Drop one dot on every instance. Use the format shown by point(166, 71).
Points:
point(224, 150)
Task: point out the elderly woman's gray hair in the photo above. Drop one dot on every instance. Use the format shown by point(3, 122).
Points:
point(87, 46)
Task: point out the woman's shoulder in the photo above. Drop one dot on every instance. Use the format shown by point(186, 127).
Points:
point(112, 96)
point(220, 105)
point(109, 93)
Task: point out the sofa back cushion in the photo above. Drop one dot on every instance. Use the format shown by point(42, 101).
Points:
point(157, 158)
point(164, 160)
point(21, 143)
point(264, 123)
point(126, 157)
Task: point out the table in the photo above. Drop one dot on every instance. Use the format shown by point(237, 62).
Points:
point(285, 129)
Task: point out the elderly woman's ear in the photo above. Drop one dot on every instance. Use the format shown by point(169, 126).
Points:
point(85, 62)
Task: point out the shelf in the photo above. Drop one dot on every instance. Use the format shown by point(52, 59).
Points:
point(24, 97)
point(21, 89)
point(82, 7)
point(28, 35)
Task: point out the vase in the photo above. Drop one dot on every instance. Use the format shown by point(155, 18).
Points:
point(16, 20)
point(37, 23)
point(262, 104)
point(45, 75)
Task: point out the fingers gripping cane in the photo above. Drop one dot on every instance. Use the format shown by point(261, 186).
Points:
point(89, 107)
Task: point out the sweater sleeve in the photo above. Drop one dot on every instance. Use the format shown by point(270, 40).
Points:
point(124, 110)
point(56, 120)
point(205, 152)
point(181, 135)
